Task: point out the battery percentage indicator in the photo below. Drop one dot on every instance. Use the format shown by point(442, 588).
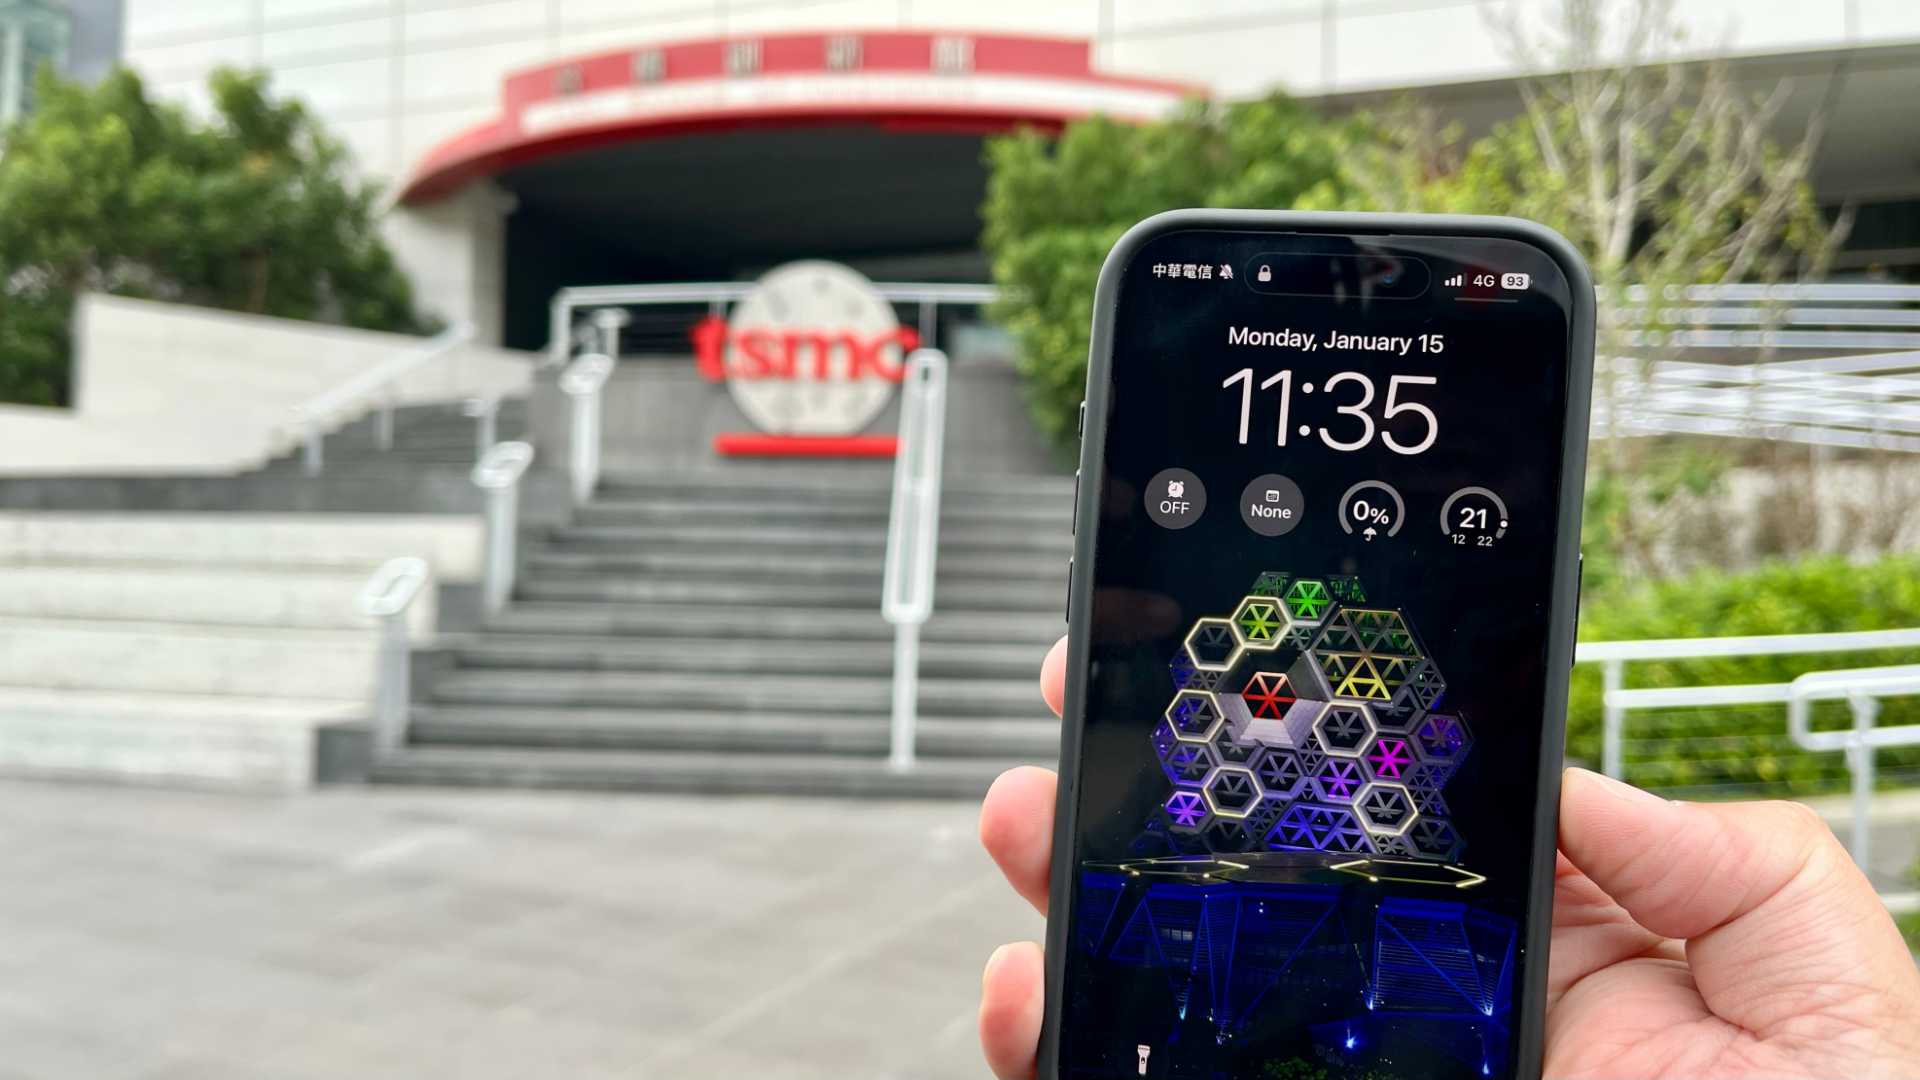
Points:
point(1515, 281)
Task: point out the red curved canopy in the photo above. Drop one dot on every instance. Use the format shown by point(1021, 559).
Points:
point(905, 80)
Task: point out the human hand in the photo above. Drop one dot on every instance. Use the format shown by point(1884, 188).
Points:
point(1689, 939)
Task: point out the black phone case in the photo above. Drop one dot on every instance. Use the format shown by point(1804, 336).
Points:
point(1530, 1009)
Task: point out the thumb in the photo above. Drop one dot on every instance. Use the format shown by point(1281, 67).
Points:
point(1780, 927)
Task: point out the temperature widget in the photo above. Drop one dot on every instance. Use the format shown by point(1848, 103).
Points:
point(1372, 508)
point(1474, 517)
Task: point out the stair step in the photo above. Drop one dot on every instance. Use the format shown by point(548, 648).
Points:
point(726, 730)
point(705, 774)
point(835, 483)
point(665, 589)
point(791, 509)
point(834, 694)
point(703, 623)
point(733, 565)
point(758, 655)
point(779, 538)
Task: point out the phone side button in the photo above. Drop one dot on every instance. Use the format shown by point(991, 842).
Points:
point(1073, 523)
point(1579, 591)
point(1068, 615)
point(1081, 431)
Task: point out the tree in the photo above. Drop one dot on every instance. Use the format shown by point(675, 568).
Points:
point(255, 210)
point(1055, 207)
point(1661, 171)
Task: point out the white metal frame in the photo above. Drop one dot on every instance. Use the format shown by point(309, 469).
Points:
point(1862, 688)
point(584, 383)
point(375, 388)
point(913, 537)
point(387, 596)
point(498, 474)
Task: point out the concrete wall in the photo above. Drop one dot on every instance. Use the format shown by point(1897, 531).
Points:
point(659, 414)
point(396, 77)
point(170, 388)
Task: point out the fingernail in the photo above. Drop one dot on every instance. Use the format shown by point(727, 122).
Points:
point(993, 962)
point(1621, 790)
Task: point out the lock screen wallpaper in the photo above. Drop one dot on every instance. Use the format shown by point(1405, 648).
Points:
point(1312, 725)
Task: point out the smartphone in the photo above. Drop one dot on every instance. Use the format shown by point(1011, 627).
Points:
point(1321, 621)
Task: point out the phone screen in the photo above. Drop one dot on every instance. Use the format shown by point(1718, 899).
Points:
point(1318, 658)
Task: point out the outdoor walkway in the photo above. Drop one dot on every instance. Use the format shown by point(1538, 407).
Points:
point(149, 934)
point(406, 934)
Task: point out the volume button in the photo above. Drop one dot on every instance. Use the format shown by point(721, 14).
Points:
point(1073, 523)
point(1068, 616)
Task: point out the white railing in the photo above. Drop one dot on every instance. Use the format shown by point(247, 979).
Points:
point(498, 474)
point(377, 388)
point(387, 596)
point(603, 300)
point(913, 536)
point(1861, 688)
point(584, 382)
point(1860, 390)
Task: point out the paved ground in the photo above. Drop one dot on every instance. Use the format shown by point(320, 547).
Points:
point(369, 934)
point(155, 934)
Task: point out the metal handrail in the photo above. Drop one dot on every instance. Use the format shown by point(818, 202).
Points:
point(309, 419)
point(583, 382)
point(1862, 688)
point(913, 536)
point(498, 474)
point(1613, 656)
point(717, 294)
point(387, 596)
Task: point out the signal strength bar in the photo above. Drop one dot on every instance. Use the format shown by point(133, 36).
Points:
point(1456, 280)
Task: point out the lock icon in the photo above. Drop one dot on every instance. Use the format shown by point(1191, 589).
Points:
point(1265, 274)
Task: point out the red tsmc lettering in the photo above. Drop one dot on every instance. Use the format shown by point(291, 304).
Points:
point(796, 354)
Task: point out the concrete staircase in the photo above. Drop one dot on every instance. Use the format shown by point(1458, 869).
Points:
point(719, 631)
point(199, 649)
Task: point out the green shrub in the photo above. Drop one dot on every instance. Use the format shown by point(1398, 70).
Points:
point(1055, 207)
point(254, 209)
point(1748, 746)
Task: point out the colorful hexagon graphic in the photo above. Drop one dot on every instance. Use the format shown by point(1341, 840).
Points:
point(1340, 779)
point(1231, 791)
point(1346, 729)
point(1280, 772)
point(1271, 583)
point(1214, 644)
point(1195, 715)
point(1386, 808)
point(1228, 836)
point(1308, 601)
point(1332, 747)
point(1268, 695)
point(1186, 810)
point(1435, 838)
point(1188, 763)
point(1233, 751)
point(1442, 738)
point(1316, 827)
point(1390, 757)
point(1262, 623)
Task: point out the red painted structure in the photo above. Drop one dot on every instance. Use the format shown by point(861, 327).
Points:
point(915, 81)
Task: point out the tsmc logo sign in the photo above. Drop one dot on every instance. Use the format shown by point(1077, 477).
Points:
point(812, 350)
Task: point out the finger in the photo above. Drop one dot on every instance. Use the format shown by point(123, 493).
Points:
point(1779, 923)
point(1053, 677)
point(1016, 828)
point(1011, 992)
point(1592, 933)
